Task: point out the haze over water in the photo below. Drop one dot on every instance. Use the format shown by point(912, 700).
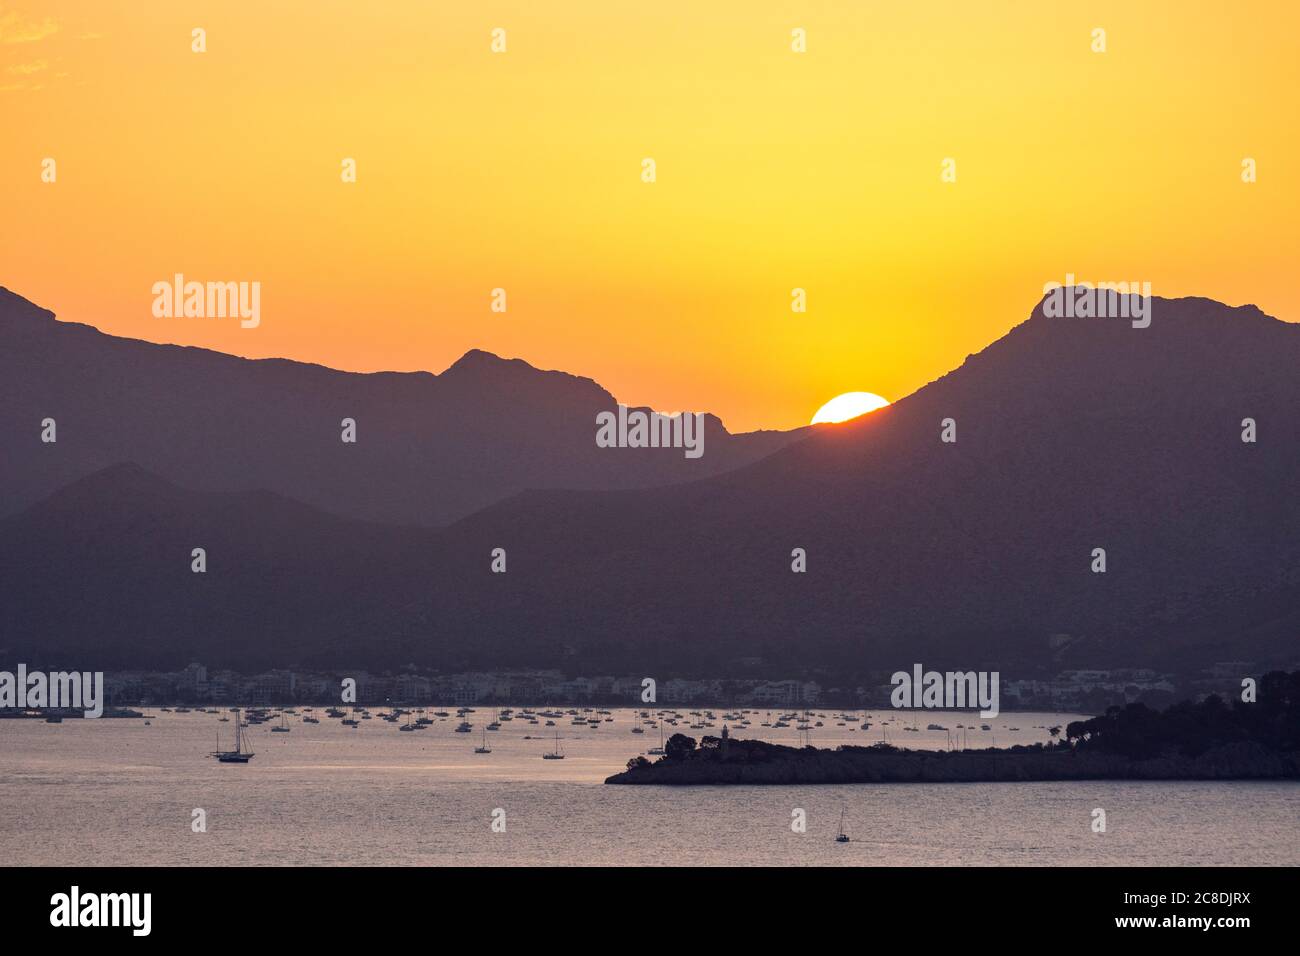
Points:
point(110, 792)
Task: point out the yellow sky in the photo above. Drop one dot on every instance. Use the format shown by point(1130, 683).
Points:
point(522, 170)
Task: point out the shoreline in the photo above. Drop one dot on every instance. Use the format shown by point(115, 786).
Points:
point(749, 762)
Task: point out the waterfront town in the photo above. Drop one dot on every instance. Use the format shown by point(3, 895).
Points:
point(1079, 691)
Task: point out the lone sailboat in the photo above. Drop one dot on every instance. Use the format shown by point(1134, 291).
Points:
point(485, 749)
point(841, 837)
point(556, 755)
point(239, 754)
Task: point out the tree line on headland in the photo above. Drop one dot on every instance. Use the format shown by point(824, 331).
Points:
point(1256, 737)
point(1190, 728)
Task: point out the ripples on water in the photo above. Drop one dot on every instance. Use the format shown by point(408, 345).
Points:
point(106, 792)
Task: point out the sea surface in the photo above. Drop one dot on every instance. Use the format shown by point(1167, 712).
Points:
point(120, 792)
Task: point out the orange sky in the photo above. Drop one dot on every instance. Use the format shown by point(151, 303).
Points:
point(522, 170)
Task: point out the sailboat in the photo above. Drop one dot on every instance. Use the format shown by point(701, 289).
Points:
point(284, 726)
point(556, 755)
point(841, 837)
point(658, 751)
point(239, 754)
point(485, 749)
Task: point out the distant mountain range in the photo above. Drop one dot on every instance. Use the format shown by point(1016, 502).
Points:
point(1072, 434)
point(430, 448)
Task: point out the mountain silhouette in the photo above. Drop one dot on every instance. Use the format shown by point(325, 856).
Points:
point(102, 571)
point(430, 448)
point(1071, 435)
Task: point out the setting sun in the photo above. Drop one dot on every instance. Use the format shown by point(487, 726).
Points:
point(849, 405)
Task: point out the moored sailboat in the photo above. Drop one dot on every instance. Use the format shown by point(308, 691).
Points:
point(554, 755)
point(239, 754)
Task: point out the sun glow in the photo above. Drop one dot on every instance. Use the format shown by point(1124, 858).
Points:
point(510, 184)
point(849, 405)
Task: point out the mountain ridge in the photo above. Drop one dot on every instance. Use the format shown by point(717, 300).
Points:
point(1071, 435)
point(436, 446)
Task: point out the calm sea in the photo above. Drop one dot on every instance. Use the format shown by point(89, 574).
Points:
point(103, 792)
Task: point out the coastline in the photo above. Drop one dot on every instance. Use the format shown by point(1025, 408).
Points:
point(752, 762)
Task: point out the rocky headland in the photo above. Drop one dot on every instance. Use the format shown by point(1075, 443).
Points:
point(733, 761)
